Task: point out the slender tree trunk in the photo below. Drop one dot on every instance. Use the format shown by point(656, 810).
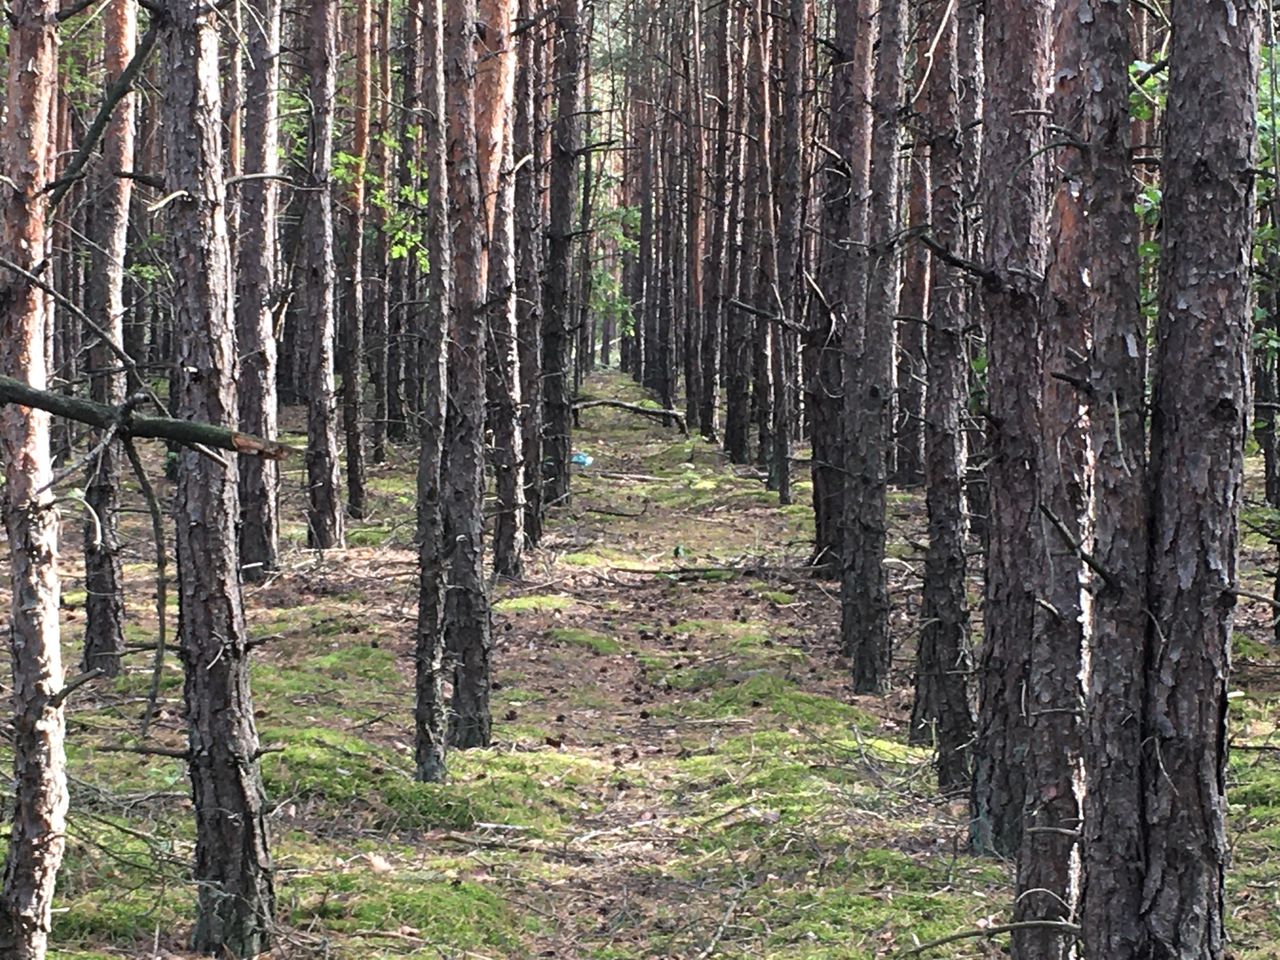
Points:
point(377, 307)
point(233, 866)
point(430, 718)
point(38, 836)
point(826, 342)
point(1014, 204)
point(913, 308)
point(556, 344)
point(1094, 105)
point(737, 325)
point(104, 604)
point(865, 617)
point(316, 295)
point(399, 361)
point(697, 316)
point(496, 90)
point(528, 226)
point(1047, 884)
point(354, 316)
point(944, 660)
point(256, 294)
point(790, 236)
point(715, 279)
point(466, 614)
point(1199, 414)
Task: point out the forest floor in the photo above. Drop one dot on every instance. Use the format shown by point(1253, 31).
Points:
point(680, 768)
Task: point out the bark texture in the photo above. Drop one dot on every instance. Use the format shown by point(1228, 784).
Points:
point(942, 709)
point(317, 274)
point(1199, 414)
point(557, 383)
point(430, 714)
point(1016, 56)
point(233, 868)
point(37, 838)
point(104, 592)
point(466, 616)
point(256, 295)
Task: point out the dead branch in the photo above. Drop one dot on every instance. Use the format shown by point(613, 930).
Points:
point(1070, 929)
point(186, 432)
point(651, 412)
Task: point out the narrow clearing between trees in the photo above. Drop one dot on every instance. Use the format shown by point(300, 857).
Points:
point(681, 769)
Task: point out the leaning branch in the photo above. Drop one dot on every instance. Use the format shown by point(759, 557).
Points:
point(89, 142)
point(100, 415)
point(656, 413)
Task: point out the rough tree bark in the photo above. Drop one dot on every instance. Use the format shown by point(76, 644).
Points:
point(846, 219)
point(431, 723)
point(466, 615)
point(865, 606)
point(528, 226)
point(379, 302)
point(104, 603)
point(495, 92)
point(1016, 56)
point(316, 293)
point(942, 709)
point(557, 342)
point(256, 294)
point(37, 838)
point(233, 866)
point(354, 316)
point(1094, 105)
point(1199, 414)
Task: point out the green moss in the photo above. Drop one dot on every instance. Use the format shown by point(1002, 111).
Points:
point(375, 536)
point(358, 660)
point(533, 604)
point(421, 904)
point(595, 642)
point(781, 696)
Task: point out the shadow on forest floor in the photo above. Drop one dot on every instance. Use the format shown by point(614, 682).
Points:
point(680, 768)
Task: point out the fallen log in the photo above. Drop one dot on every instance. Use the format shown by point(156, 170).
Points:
point(189, 433)
point(654, 413)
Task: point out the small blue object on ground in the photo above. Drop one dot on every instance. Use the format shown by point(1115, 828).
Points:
point(582, 459)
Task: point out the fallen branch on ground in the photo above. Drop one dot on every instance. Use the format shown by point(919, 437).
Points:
point(1061, 926)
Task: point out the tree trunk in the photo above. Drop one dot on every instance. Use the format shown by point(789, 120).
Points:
point(316, 295)
point(398, 361)
point(354, 316)
point(1094, 104)
point(529, 234)
point(913, 309)
point(466, 615)
point(38, 836)
point(1047, 885)
point(496, 90)
point(233, 867)
point(556, 345)
point(716, 278)
point(104, 591)
point(1014, 178)
point(1199, 414)
point(430, 719)
point(942, 709)
point(256, 294)
point(378, 305)
point(865, 616)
